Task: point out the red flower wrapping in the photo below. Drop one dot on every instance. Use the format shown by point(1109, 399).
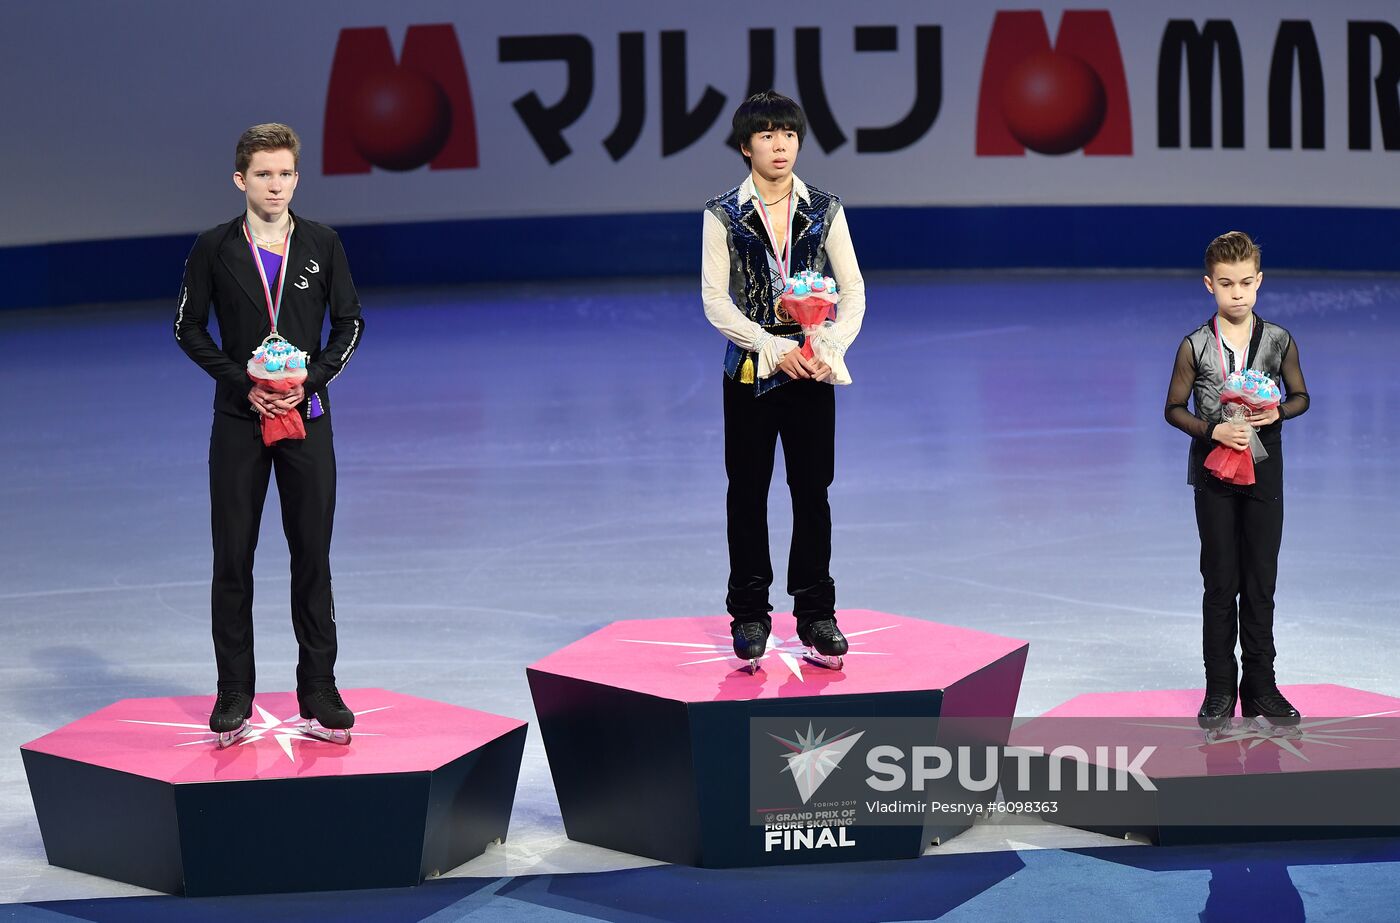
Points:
point(289, 425)
point(809, 311)
point(1236, 466)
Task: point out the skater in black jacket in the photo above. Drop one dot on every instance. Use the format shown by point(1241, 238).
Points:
point(269, 271)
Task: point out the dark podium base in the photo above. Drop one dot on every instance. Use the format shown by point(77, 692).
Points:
point(647, 725)
point(1333, 776)
point(137, 792)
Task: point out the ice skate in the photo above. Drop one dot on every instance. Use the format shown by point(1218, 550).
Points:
point(1276, 711)
point(826, 646)
point(1217, 709)
point(750, 642)
point(325, 715)
point(1257, 727)
point(229, 719)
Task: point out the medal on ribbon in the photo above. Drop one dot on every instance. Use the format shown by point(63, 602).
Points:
point(782, 257)
point(274, 308)
point(276, 365)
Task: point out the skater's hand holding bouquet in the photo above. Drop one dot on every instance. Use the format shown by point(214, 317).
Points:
point(279, 366)
point(1247, 393)
point(810, 300)
point(795, 364)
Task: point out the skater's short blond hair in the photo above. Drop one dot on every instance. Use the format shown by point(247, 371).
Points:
point(1231, 247)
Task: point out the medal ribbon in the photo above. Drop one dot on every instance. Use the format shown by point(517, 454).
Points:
point(1220, 347)
point(274, 308)
point(785, 258)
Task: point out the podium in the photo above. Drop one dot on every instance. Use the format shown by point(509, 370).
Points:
point(1137, 763)
point(139, 793)
point(649, 730)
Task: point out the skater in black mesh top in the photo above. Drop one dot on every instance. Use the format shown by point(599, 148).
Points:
point(1240, 524)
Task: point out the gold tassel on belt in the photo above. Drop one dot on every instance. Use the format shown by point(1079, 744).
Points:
point(746, 370)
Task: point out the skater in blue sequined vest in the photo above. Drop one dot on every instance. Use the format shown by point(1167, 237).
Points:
point(757, 235)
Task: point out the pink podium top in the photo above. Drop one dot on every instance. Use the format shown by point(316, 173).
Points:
point(1341, 729)
point(692, 659)
point(169, 739)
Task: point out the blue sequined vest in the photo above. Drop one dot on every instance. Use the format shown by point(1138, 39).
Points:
point(754, 280)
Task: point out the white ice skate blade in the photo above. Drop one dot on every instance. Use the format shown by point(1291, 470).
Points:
point(336, 736)
point(751, 668)
point(229, 738)
point(1266, 726)
point(824, 661)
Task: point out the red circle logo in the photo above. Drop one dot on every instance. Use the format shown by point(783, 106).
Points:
point(1053, 102)
point(399, 119)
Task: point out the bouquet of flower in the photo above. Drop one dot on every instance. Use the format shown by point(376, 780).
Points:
point(810, 300)
point(1250, 390)
point(279, 366)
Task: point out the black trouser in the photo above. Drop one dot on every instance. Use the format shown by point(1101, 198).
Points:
point(239, 465)
point(1240, 538)
point(803, 414)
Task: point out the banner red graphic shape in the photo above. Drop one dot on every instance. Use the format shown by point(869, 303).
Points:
point(1053, 99)
point(398, 115)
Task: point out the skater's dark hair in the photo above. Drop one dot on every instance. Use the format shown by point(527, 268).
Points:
point(1231, 247)
point(766, 111)
point(269, 136)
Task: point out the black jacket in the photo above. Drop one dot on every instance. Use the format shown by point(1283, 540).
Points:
point(220, 271)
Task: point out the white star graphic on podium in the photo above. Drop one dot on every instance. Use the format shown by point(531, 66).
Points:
point(814, 758)
point(1323, 732)
point(266, 726)
point(788, 650)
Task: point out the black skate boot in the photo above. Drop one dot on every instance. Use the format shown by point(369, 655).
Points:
point(229, 719)
point(750, 642)
point(1217, 708)
point(326, 716)
point(1272, 706)
point(826, 646)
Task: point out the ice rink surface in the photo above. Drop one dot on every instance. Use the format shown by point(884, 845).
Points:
point(521, 465)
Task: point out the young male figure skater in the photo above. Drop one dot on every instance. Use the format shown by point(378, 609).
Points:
point(267, 270)
point(765, 230)
point(1240, 526)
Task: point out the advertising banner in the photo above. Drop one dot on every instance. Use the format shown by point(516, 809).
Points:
point(435, 111)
